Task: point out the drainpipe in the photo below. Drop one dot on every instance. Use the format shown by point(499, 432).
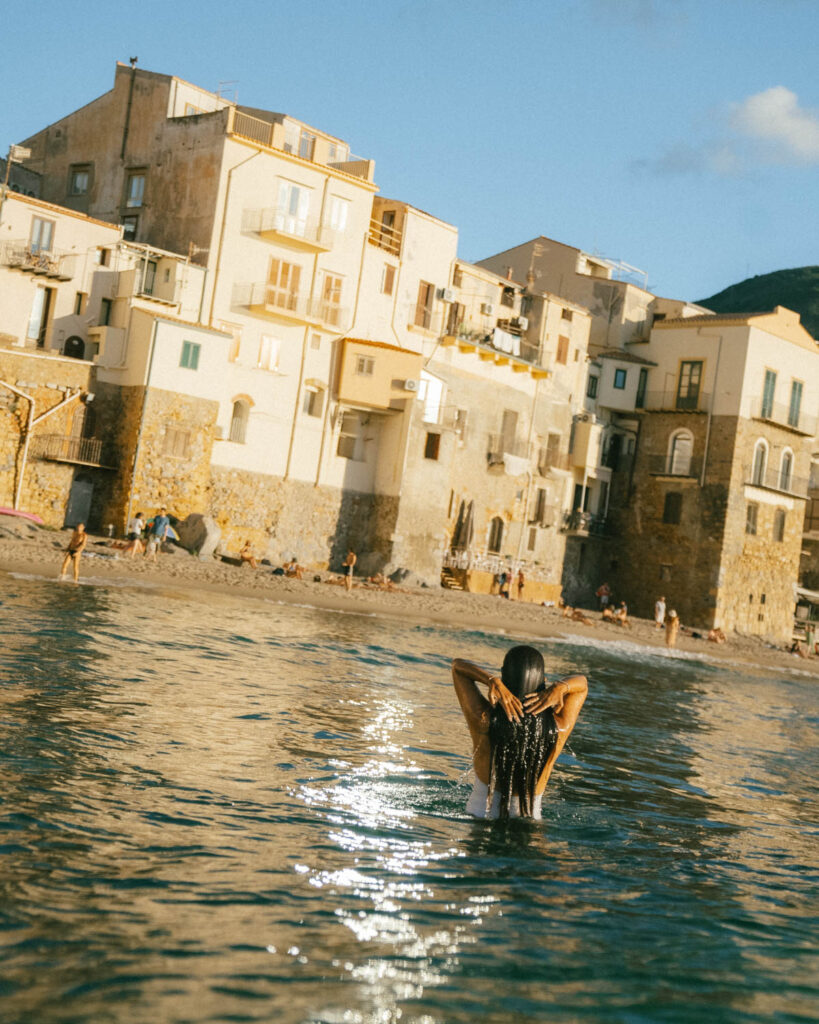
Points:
point(127, 124)
point(141, 422)
point(529, 473)
point(222, 231)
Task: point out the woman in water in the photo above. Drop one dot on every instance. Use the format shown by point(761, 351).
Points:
point(517, 730)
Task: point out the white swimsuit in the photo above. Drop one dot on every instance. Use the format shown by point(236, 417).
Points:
point(476, 804)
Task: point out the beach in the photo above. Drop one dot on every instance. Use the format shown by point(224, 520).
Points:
point(38, 552)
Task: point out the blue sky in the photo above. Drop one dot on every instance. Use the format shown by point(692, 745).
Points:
point(681, 136)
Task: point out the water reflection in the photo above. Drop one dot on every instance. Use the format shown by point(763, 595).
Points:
point(235, 810)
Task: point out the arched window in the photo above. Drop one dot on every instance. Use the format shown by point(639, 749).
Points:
point(760, 463)
point(779, 525)
point(786, 470)
point(238, 421)
point(680, 448)
point(495, 535)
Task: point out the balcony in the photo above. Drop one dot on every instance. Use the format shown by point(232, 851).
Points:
point(561, 462)
point(509, 454)
point(275, 225)
point(45, 262)
point(776, 480)
point(784, 416)
point(669, 465)
point(274, 303)
point(671, 401)
point(521, 354)
point(583, 524)
point(81, 451)
point(385, 237)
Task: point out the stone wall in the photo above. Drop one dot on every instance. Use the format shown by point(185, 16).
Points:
point(48, 379)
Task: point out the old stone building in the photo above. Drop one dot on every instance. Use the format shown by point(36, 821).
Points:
point(719, 480)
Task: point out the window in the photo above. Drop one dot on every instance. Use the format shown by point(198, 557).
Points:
point(339, 211)
point(796, 403)
point(760, 463)
point(235, 331)
point(431, 393)
point(292, 209)
point(268, 358)
point(566, 314)
point(562, 350)
point(387, 279)
point(495, 535)
point(80, 302)
point(679, 453)
point(315, 341)
point(540, 506)
point(238, 421)
point(620, 379)
point(176, 442)
point(190, 110)
point(364, 366)
point(79, 180)
point(688, 388)
point(591, 387)
point(331, 300)
point(283, 284)
point(190, 355)
point(348, 438)
point(432, 446)
point(751, 510)
point(291, 137)
point(40, 316)
point(768, 392)
point(642, 381)
point(129, 228)
point(135, 190)
point(336, 154)
point(307, 143)
point(508, 297)
point(531, 544)
point(423, 307)
point(672, 510)
point(779, 525)
point(148, 277)
point(665, 573)
point(455, 318)
point(785, 470)
point(42, 234)
point(313, 401)
point(105, 312)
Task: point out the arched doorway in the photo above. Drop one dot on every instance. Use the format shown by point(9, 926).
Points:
point(74, 347)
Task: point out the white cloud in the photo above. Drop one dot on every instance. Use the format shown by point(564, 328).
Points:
point(768, 127)
point(790, 133)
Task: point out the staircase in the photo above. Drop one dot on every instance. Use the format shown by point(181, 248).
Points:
point(451, 579)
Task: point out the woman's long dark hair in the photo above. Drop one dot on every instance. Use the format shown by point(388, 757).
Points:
point(520, 750)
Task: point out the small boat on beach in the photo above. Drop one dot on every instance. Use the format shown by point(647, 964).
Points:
point(31, 516)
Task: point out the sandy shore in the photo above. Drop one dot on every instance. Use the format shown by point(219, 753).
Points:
point(39, 552)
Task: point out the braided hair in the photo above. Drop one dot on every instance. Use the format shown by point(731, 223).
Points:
point(520, 750)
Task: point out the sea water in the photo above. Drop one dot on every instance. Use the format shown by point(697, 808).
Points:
point(224, 809)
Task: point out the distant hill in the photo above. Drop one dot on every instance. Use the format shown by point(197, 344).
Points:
point(798, 289)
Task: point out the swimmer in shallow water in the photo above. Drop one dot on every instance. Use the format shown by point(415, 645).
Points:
point(517, 730)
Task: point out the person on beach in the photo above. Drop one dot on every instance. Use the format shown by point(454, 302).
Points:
point(348, 565)
point(672, 628)
point(79, 538)
point(521, 582)
point(503, 585)
point(603, 594)
point(159, 531)
point(518, 730)
point(620, 616)
point(659, 613)
point(135, 530)
point(246, 556)
point(292, 569)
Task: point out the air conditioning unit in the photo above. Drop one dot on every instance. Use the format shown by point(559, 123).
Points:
point(410, 385)
point(522, 322)
point(446, 294)
point(488, 308)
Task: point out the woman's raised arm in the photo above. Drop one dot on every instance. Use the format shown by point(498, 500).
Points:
point(565, 697)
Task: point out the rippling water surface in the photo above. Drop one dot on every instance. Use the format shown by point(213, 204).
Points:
point(225, 810)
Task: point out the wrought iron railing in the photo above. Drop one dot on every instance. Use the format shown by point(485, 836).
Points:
point(48, 262)
point(478, 560)
point(776, 480)
point(90, 451)
point(385, 237)
point(577, 521)
point(784, 415)
point(674, 465)
point(499, 445)
point(272, 219)
point(672, 401)
point(253, 128)
point(269, 298)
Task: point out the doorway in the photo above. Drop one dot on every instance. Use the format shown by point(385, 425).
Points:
point(79, 500)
